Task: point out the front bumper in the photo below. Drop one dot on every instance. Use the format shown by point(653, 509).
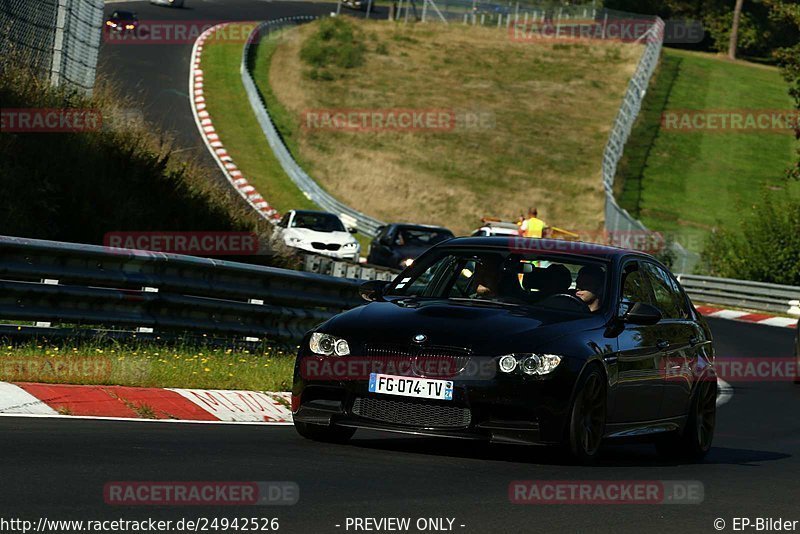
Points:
point(349, 253)
point(505, 409)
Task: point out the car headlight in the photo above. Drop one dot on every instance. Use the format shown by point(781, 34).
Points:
point(529, 364)
point(294, 240)
point(327, 345)
point(350, 245)
point(407, 262)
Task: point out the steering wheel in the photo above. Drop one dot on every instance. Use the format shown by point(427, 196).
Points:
point(569, 301)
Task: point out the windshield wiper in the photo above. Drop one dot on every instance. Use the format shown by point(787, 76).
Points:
point(485, 302)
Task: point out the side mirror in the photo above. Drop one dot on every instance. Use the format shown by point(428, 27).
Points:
point(385, 240)
point(353, 230)
point(642, 314)
point(372, 290)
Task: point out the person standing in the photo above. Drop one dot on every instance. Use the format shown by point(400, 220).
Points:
point(533, 226)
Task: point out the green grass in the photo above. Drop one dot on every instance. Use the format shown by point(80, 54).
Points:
point(147, 364)
point(238, 128)
point(688, 183)
point(546, 110)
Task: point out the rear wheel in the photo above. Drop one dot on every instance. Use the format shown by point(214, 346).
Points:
point(327, 434)
point(698, 434)
point(588, 417)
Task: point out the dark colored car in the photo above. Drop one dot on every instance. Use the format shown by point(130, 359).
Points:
point(360, 5)
point(122, 21)
point(514, 340)
point(398, 245)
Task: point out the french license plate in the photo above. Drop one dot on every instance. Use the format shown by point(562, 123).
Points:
point(407, 386)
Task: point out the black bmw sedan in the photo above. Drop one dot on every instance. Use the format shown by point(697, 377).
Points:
point(516, 341)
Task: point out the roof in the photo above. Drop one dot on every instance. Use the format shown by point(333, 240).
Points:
point(549, 246)
point(418, 226)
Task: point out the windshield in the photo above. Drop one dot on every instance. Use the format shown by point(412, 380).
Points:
point(124, 15)
point(567, 283)
point(319, 222)
point(420, 237)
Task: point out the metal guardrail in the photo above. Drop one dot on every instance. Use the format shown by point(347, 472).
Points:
point(71, 284)
point(315, 263)
point(617, 220)
point(742, 293)
point(364, 223)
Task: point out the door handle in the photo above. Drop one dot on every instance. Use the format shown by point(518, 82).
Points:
point(662, 344)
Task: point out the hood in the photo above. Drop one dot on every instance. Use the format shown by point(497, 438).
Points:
point(309, 235)
point(484, 328)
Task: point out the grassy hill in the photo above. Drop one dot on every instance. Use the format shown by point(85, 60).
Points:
point(547, 110)
point(687, 183)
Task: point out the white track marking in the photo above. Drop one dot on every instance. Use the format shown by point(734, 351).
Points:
point(15, 400)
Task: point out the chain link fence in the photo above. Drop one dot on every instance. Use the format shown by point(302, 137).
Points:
point(57, 39)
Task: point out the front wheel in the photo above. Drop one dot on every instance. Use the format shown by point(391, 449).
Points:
point(587, 421)
point(695, 440)
point(327, 434)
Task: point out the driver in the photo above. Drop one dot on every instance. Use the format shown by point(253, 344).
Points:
point(589, 286)
point(487, 277)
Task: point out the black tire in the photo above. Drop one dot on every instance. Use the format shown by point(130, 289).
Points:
point(587, 420)
point(327, 434)
point(694, 442)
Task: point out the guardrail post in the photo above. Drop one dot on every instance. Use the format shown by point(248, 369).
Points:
point(49, 282)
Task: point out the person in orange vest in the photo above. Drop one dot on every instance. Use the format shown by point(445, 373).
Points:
point(533, 226)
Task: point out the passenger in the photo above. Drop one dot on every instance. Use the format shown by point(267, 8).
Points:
point(589, 286)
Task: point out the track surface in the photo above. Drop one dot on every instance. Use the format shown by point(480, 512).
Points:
point(57, 468)
point(156, 76)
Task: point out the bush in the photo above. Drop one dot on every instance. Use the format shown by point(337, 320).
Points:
point(766, 247)
point(336, 43)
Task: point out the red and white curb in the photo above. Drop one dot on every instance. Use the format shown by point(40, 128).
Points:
point(129, 403)
point(210, 136)
point(748, 317)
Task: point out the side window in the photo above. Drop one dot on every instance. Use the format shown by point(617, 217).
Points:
point(634, 287)
point(667, 297)
point(421, 285)
point(284, 221)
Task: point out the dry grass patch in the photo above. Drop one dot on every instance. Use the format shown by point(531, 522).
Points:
point(550, 105)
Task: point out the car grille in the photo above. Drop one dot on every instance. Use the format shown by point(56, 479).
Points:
point(325, 246)
point(431, 362)
point(412, 413)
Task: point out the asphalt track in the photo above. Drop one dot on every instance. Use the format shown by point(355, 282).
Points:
point(156, 76)
point(57, 468)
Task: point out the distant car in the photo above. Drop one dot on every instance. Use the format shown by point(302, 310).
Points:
point(355, 4)
point(319, 232)
point(496, 228)
point(122, 21)
point(169, 3)
point(398, 245)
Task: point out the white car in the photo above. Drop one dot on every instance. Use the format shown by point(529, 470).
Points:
point(318, 232)
point(492, 227)
point(170, 3)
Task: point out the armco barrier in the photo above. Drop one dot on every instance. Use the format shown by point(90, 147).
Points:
point(742, 294)
point(65, 283)
point(303, 181)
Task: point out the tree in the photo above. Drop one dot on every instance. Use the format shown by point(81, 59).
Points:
point(733, 43)
point(789, 60)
